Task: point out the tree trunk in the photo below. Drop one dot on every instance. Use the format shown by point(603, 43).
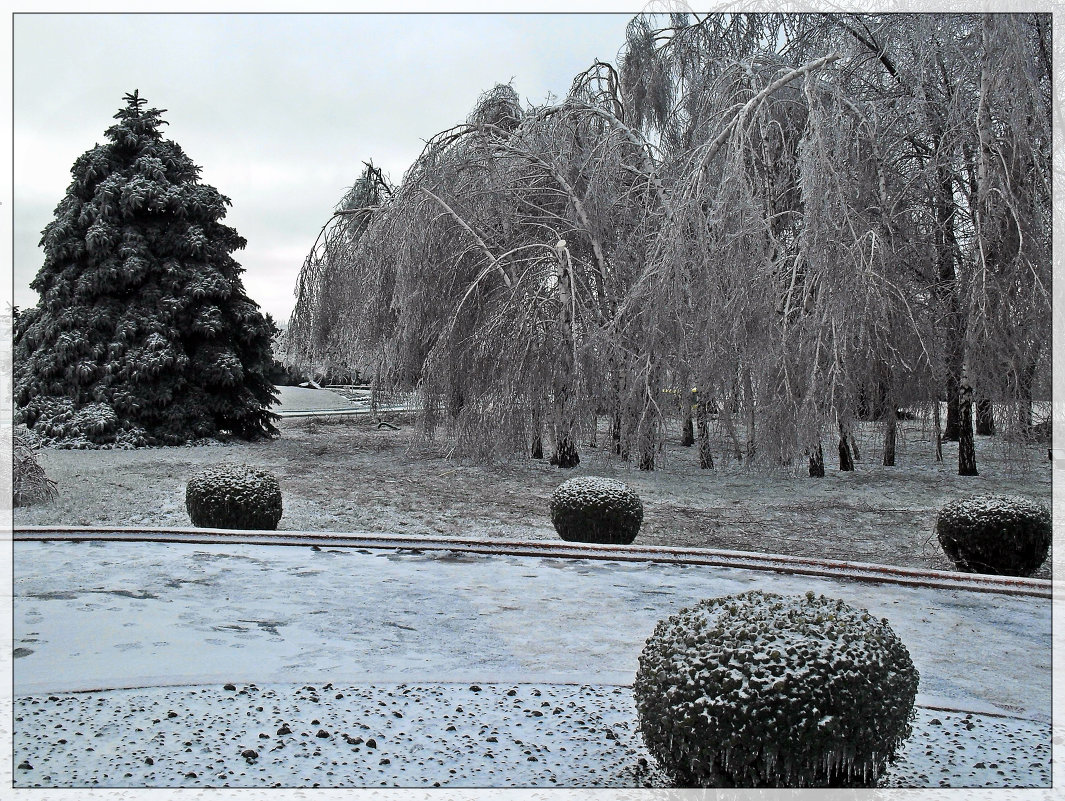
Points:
point(748, 391)
point(645, 441)
point(846, 462)
point(455, 401)
point(566, 455)
point(537, 450)
point(966, 446)
point(706, 458)
point(726, 418)
point(648, 427)
point(1025, 381)
point(872, 401)
point(687, 435)
point(647, 457)
point(937, 421)
point(1024, 413)
point(948, 290)
point(890, 432)
point(952, 428)
point(817, 463)
point(985, 418)
point(565, 445)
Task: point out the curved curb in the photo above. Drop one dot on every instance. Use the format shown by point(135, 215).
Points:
point(826, 568)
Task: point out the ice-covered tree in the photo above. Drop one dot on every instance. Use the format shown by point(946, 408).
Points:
point(143, 333)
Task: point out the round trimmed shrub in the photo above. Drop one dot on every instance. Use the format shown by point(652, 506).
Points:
point(233, 496)
point(596, 509)
point(1004, 535)
point(764, 690)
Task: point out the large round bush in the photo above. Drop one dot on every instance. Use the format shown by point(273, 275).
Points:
point(764, 690)
point(596, 509)
point(1005, 535)
point(233, 496)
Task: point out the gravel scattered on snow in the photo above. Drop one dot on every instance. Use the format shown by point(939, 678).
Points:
point(426, 735)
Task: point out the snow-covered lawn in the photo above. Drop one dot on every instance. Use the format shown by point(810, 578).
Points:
point(344, 474)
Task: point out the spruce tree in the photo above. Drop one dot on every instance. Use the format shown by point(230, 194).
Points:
point(143, 334)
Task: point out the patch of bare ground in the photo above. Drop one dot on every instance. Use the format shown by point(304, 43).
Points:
point(344, 474)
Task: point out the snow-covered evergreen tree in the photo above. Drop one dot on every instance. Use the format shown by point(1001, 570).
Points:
point(143, 333)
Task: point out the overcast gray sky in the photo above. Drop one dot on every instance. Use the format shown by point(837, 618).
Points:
point(280, 111)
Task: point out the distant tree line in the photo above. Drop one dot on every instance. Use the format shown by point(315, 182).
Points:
point(789, 223)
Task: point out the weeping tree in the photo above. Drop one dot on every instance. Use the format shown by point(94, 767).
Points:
point(808, 219)
point(972, 94)
point(143, 334)
point(774, 250)
point(326, 291)
point(488, 280)
point(1008, 198)
point(863, 237)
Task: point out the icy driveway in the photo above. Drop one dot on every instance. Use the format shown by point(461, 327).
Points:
point(95, 615)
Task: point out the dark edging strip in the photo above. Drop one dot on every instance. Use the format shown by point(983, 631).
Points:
point(826, 568)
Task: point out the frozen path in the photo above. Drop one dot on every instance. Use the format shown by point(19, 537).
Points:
point(92, 615)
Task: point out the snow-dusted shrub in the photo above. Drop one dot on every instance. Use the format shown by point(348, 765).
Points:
point(59, 423)
point(1001, 534)
point(764, 690)
point(29, 484)
point(233, 496)
point(596, 509)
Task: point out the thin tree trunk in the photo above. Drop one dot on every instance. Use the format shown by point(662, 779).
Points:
point(455, 401)
point(537, 450)
point(748, 390)
point(985, 418)
point(817, 463)
point(566, 455)
point(726, 418)
point(891, 429)
point(650, 420)
point(966, 446)
point(645, 441)
point(706, 458)
point(1024, 392)
point(1024, 413)
point(687, 434)
point(952, 429)
point(846, 462)
point(937, 431)
point(946, 246)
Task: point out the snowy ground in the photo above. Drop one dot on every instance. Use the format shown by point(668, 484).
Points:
point(428, 735)
point(404, 638)
point(345, 474)
point(123, 652)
